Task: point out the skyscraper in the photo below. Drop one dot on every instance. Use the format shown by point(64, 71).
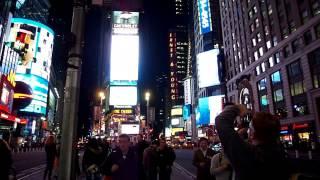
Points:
point(37, 10)
point(178, 49)
point(272, 55)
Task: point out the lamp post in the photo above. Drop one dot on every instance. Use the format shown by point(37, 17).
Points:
point(102, 97)
point(147, 98)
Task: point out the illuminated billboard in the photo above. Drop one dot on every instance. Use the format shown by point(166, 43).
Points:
point(204, 14)
point(35, 41)
point(176, 111)
point(207, 67)
point(187, 91)
point(125, 22)
point(124, 60)
point(39, 88)
point(208, 109)
point(123, 95)
point(130, 129)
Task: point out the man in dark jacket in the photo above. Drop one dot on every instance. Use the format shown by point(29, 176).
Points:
point(124, 161)
point(140, 147)
point(202, 160)
point(263, 158)
point(6, 160)
point(150, 161)
point(166, 157)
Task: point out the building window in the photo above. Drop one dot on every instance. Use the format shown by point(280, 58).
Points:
point(250, 14)
point(277, 57)
point(266, 30)
point(275, 40)
point(284, 33)
point(257, 22)
point(269, 9)
point(277, 93)
point(307, 37)
point(255, 10)
point(258, 70)
point(315, 8)
point(292, 26)
point(317, 29)
point(286, 51)
point(259, 37)
point(263, 67)
point(295, 45)
point(252, 27)
point(271, 62)
point(261, 51)
point(254, 42)
point(304, 16)
point(256, 57)
point(268, 44)
point(263, 96)
point(297, 89)
point(314, 63)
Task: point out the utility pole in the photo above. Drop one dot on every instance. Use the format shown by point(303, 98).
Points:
point(71, 94)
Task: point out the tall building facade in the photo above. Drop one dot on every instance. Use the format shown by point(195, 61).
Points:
point(178, 49)
point(37, 10)
point(272, 52)
point(207, 65)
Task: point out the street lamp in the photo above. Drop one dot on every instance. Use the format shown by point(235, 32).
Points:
point(147, 98)
point(102, 97)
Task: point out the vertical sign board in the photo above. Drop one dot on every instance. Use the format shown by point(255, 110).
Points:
point(187, 91)
point(204, 16)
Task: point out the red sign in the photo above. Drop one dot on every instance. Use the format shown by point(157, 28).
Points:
point(300, 126)
point(12, 118)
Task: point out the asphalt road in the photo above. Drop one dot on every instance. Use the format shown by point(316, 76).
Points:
point(27, 160)
point(184, 159)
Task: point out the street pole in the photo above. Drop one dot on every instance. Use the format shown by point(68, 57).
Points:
point(100, 116)
point(71, 94)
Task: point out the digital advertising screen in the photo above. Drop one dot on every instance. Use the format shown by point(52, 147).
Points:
point(204, 14)
point(187, 91)
point(123, 95)
point(130, 128)
point(39, 88)
point(125, 22)
point(208, 109)
point(176, 111)
point(186, 112)
point(124, 60)
point(208, 69)
point(35, 41)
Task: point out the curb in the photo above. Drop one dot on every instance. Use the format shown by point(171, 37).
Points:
point(182, 169)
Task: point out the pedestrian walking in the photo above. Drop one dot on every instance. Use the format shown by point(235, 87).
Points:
point(93, 157)
point(140, 147)
point(202, 160)
point(262, 158)
point(150, 161)
point(51, 152)
point(221, 167)
point(166, 157)
point(124, 160)
point(6, 170)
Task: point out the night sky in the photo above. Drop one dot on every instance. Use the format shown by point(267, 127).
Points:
point(153, 49)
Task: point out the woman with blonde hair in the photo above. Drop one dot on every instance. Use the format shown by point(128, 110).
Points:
point(51, 152)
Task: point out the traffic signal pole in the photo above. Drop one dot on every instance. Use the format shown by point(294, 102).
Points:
point(71, 94)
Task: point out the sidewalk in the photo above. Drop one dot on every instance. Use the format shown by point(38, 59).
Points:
point(37, 173)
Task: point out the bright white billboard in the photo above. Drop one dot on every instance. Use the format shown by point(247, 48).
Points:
point(124, 59)
point(130, 128)
point(207, 66)
point(123, 95)
point(208, 109)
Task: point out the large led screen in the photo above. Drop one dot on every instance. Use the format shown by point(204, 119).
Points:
point(123, 95)
point(39, 88)
point(208, 71)
point(204, 14)
point(130, 128)
point(35, 41)
point(125, 22)
point(208, 109)
point(124, 59)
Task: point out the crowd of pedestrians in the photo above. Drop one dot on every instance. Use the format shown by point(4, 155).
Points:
point(249, 153)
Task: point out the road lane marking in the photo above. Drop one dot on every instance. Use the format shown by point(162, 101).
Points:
point(182, 169)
